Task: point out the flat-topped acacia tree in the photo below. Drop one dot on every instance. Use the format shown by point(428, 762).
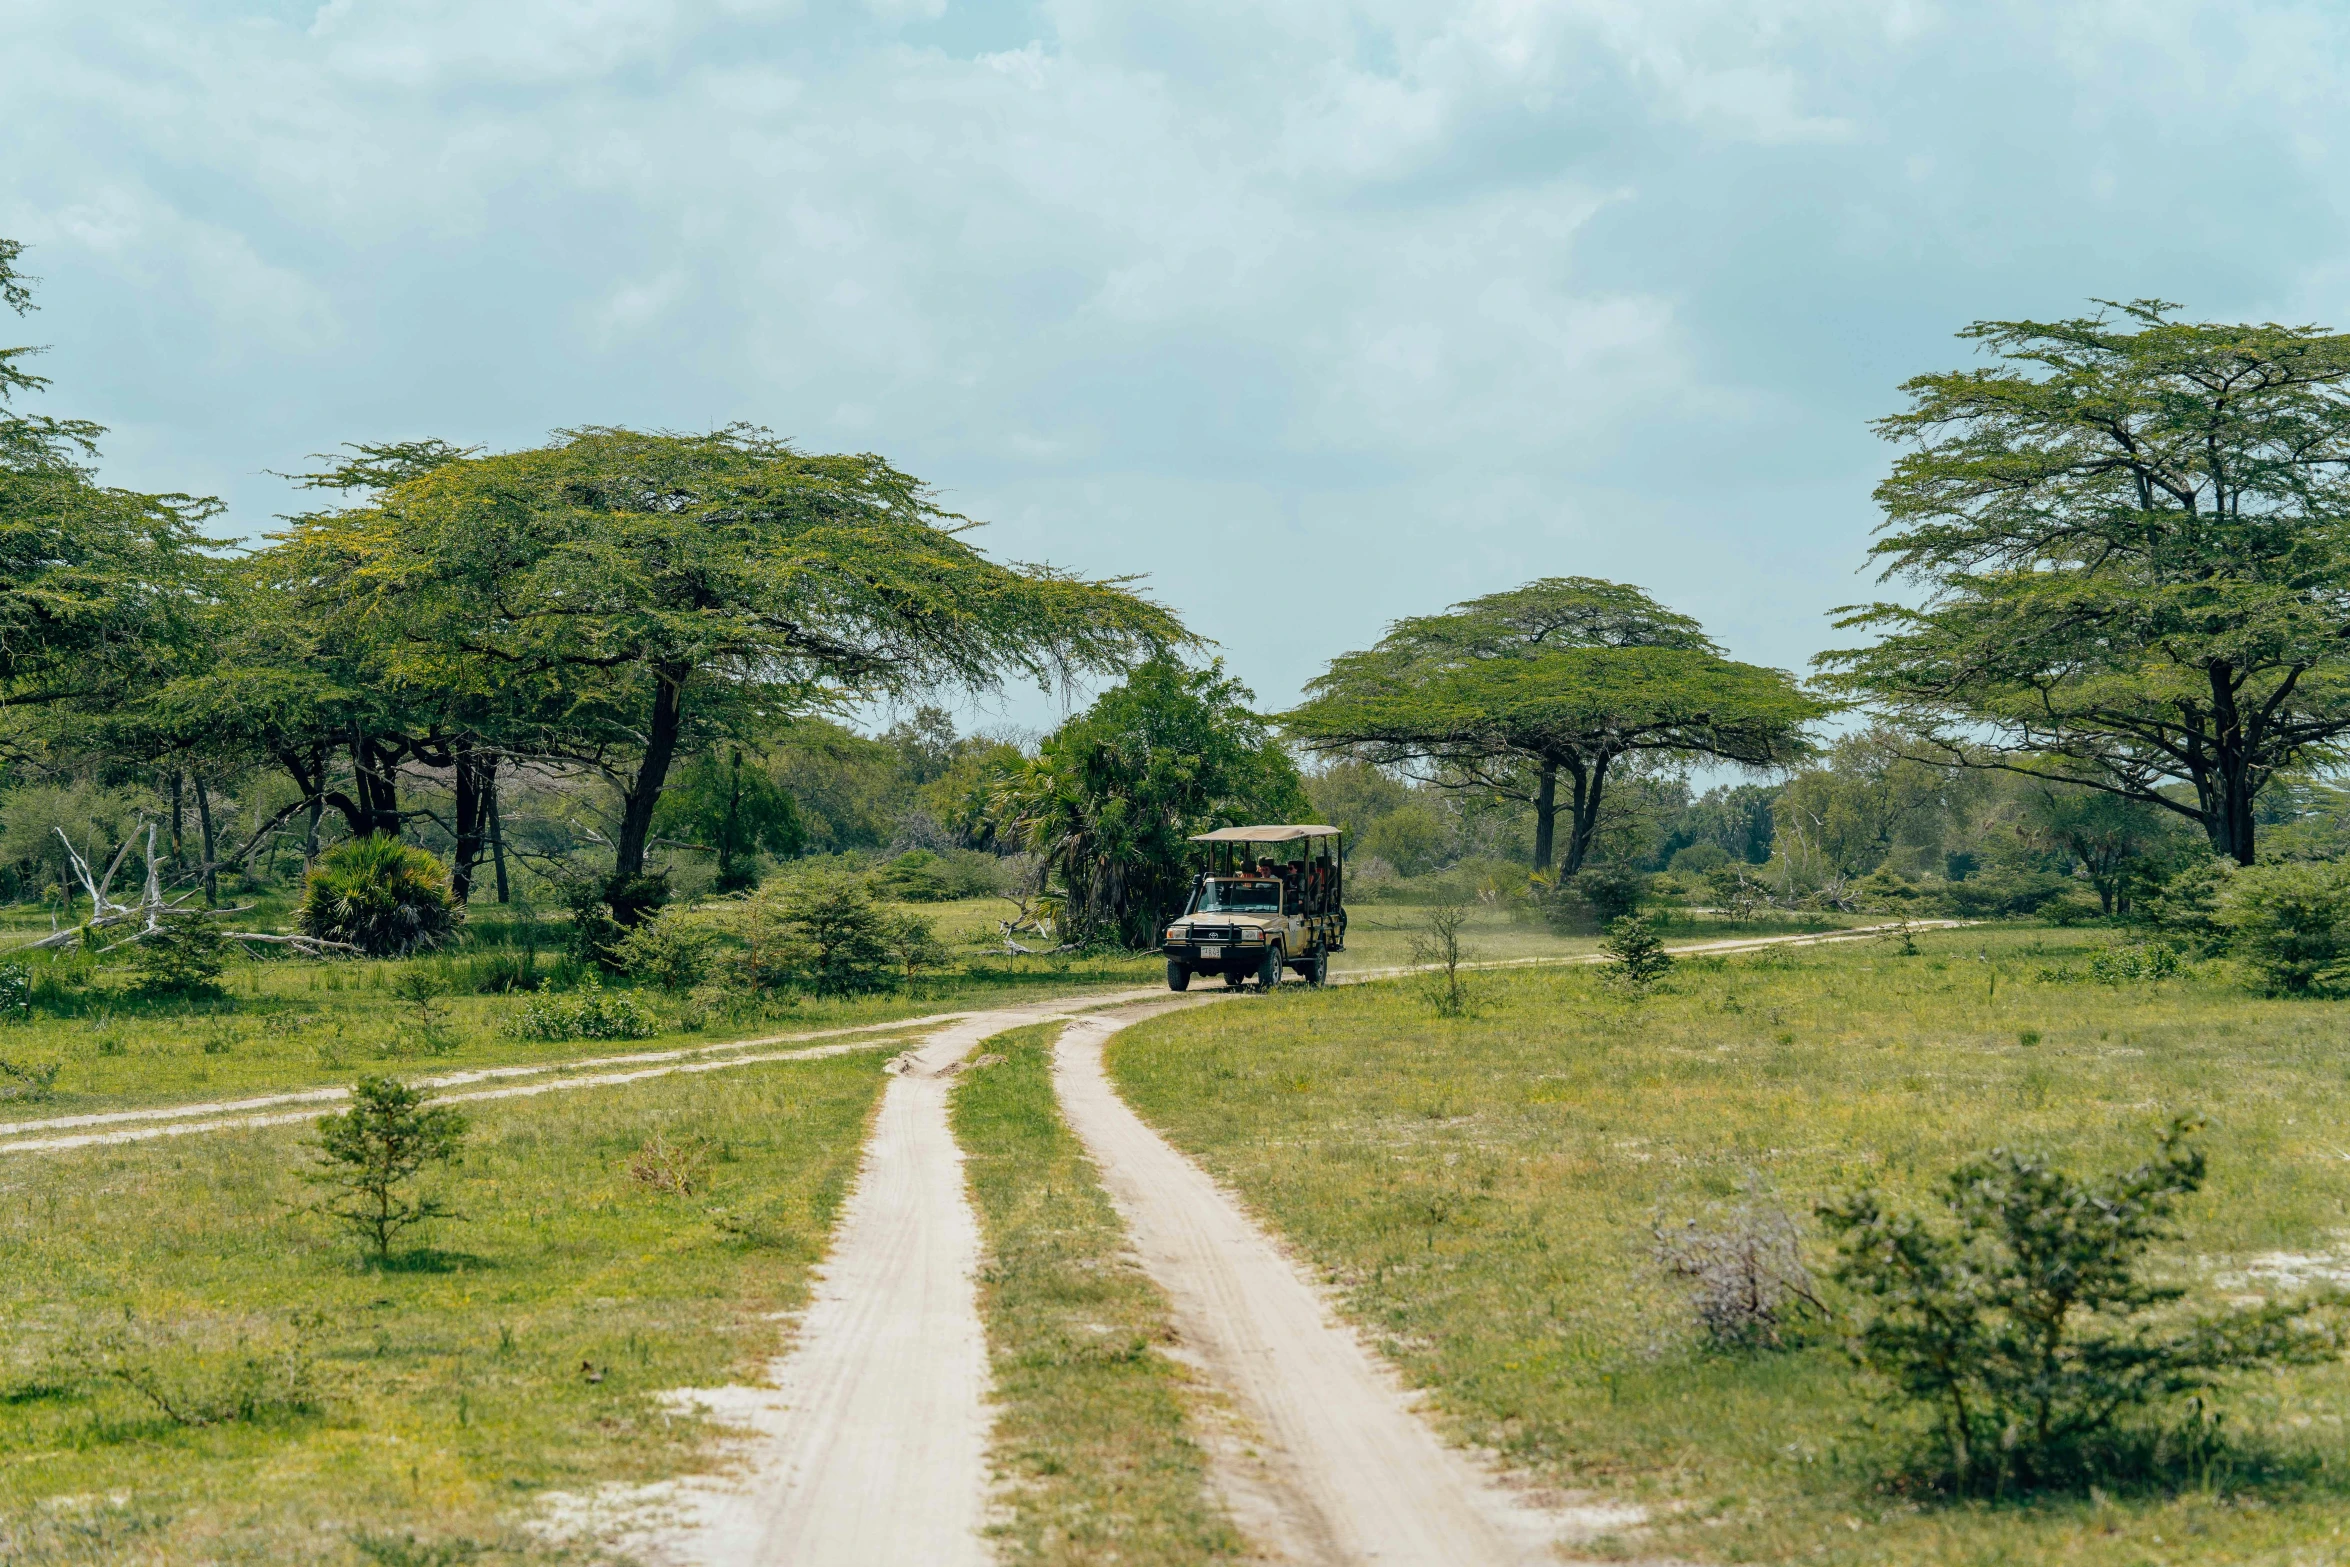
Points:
point(619, 596)
point(2132, 534)
point(1566, 676)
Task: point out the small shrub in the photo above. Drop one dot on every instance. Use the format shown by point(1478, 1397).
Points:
point(16, 991)
point(1636, 955)
point(2021, 1321)
point(590, 1012)
point(1436, 950)
point(1744, 1268)
point(190, 1385)
point(26, 1082)
point(2145, 960)
point(921, 876)
point(2289, 923)
point(370, 1151)
point(680, 1169)
point(183, 956)
point(915, 944)
point(2185, 908)
point(837, 942)
point(666, 951)
point(385, 897)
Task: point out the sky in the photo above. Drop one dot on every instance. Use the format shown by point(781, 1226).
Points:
point(1313, 314)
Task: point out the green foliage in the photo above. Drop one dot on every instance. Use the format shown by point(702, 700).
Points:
point(836, 941)
point(915, 945)
point(626, 595)
point(28, 1082)
point(2185, 907)
point(16, 991)
point(1700, 859)
point(193, 1384)
point(2113, 838)
point(590, 1012)
point(1557, 681)
point(2290, 923)
point(1636, 954)
point(385, 897)
point(2149, 960)
point(183, 956)
point(922, 876)
point(671, 951)
point(1113, 794)
point(2022, 1322)
point(731, 810)
point(2132, 534)
point(368, 1154)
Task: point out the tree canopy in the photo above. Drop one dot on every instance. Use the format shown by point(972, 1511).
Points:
point(621, 597)
point(2132, 534)
point(1564, 676)
point(1113, 794)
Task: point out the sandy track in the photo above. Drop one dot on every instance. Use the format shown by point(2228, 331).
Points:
point(871, 1448)
point(1354, 1476)
point(553, 1085)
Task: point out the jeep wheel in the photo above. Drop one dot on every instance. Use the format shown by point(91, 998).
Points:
point(1269, 977)
point(1178, 976)
point(1317, 965)
point(1232, 978)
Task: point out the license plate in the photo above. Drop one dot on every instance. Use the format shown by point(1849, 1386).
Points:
point(1211, 952)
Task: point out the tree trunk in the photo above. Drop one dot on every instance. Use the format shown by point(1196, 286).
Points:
point(2227, 800)
point(1583, 822)
point(178, 816)
point(636, 819)
point(471, 768)
point(1546, 810)
point(497, 836)
point(204, 824)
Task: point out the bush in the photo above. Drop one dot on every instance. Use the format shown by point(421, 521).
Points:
point(1744, 1268)
point(16, 991)
point(837, 943)
point(921, 876)
point(371, 1150)
point(2185, 907)
point(2002, 892)
point(2022, 1324)
point(667, 951)
point(1698, 859)
point(191, 1384)
point(183, 956)
point(590, 1012)
point(2289, 923)
point(1636, 956)
point(385, 897)
point(2146, 960)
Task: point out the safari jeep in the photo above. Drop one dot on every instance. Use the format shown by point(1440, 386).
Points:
point(1269, 902)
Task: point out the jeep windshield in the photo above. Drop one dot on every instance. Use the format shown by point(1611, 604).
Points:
point(1237, 897)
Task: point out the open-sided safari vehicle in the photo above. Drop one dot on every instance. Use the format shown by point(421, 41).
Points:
point(1270, 900)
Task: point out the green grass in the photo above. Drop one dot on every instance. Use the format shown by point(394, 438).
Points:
point(296, 1023)
point(1379, 935)
point(1481, 1190)
point(450, 1387)
point(1090, 1451)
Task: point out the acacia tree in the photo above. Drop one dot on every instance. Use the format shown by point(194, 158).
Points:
point(2131, 536)
point(1564, 677)
point(1112, 796)
point(624, 597)
point(98, 585)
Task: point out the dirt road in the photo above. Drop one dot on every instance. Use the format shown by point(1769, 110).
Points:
point(1352, 1475)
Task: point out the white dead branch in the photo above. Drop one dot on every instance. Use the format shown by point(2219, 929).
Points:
point(145, 918)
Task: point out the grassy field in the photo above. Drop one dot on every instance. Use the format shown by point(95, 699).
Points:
point(1481, 1191)
point(1379, 935)
point(296, 1023)
point(403, 1415)
point(1091, 1457)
